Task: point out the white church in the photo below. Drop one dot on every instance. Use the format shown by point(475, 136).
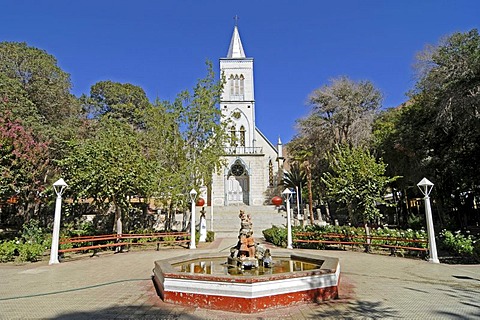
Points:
point(253, 162)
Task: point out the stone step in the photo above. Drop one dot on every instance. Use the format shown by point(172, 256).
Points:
point(227, 222)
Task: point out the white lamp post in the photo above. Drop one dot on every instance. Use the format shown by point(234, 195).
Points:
point(426, 187)
point(59, 188)
point(193, 197)
point(287, 194)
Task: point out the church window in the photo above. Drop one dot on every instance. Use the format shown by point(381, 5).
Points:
point(231, 80)
point(270, 173)
point(233, 137)
point(237, 169)
point(242, 84)
point(242, 136)
point(237, 85)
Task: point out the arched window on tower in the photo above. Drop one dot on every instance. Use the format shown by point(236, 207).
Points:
point(242, 136)
point(236, 82)
point(230, 79)
point(270, 173)
point(242, 85)
point(233, 138)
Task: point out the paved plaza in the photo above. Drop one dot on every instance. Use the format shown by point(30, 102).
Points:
point(119, 286)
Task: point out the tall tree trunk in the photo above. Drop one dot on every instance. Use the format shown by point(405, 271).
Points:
point(351, 216)
point(367, 236)
point(117, 215)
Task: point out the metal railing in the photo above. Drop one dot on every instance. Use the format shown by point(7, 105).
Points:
point(244, 150)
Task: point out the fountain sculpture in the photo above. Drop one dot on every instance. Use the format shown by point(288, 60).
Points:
point(250, 280)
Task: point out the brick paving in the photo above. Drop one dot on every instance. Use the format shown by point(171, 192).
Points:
point(119, 286)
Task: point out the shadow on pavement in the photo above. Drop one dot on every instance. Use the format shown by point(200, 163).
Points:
point(127, 312)
point(356, 310)
point(468, 298)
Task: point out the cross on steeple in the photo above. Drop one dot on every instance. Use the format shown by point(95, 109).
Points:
point(236, 20)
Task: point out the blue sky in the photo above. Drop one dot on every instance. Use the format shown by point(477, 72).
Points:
point(298, 46)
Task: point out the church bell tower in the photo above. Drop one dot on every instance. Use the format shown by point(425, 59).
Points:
point(238, 99)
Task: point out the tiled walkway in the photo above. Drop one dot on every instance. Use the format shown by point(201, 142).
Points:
point(119, 286)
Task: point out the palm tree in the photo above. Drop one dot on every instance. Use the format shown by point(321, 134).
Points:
point(295, 178)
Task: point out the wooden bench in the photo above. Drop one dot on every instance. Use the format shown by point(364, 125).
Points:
point(118, 240)
point(367, 241)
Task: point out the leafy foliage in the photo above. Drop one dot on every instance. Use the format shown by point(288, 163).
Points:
point(295, 178)
point(357, 180)
point(7, 250)
point(203, 133)
point(37, 113)
point(105, 169)
point(457, 243)
point(276, 235)
point(437, 133)
point(24, 161)
point(342, 112)
point(122, 101)
point(29, 247)
point(39, 83)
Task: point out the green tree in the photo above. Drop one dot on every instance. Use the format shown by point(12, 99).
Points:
point(108, 168)
point(122, 101)
point(357, 180)
point(448, 92)
point(165, 150)
point(202, 131)
point(35, 94)
point(24, 164)
point(295, 179)
point(342, 113)
point(437, 133)
point(32, 82)
point(401, 144)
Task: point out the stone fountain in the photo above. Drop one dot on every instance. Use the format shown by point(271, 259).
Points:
point(250, 279)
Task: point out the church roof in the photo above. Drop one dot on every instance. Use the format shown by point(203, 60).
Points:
point(235, 50)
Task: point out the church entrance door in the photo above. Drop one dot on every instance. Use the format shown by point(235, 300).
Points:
point(237, 191)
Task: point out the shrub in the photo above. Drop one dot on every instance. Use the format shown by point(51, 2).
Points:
point(32, 232)
point(210, 236)
point(276, 235)
point(29, 251)
point(476, 249)
point(29, 247)
point(7, 250)
point(457, 243)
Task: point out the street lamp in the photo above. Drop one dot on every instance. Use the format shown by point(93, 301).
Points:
point(59, 188)
point(426, 187)
point(193, 196)
point(287, 194)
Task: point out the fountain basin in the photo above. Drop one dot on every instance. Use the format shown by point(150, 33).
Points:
point(246, 293)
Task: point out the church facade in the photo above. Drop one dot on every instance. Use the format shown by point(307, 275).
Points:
point(252, 161)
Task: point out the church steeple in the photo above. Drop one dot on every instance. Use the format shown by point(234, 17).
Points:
point(235, 51)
